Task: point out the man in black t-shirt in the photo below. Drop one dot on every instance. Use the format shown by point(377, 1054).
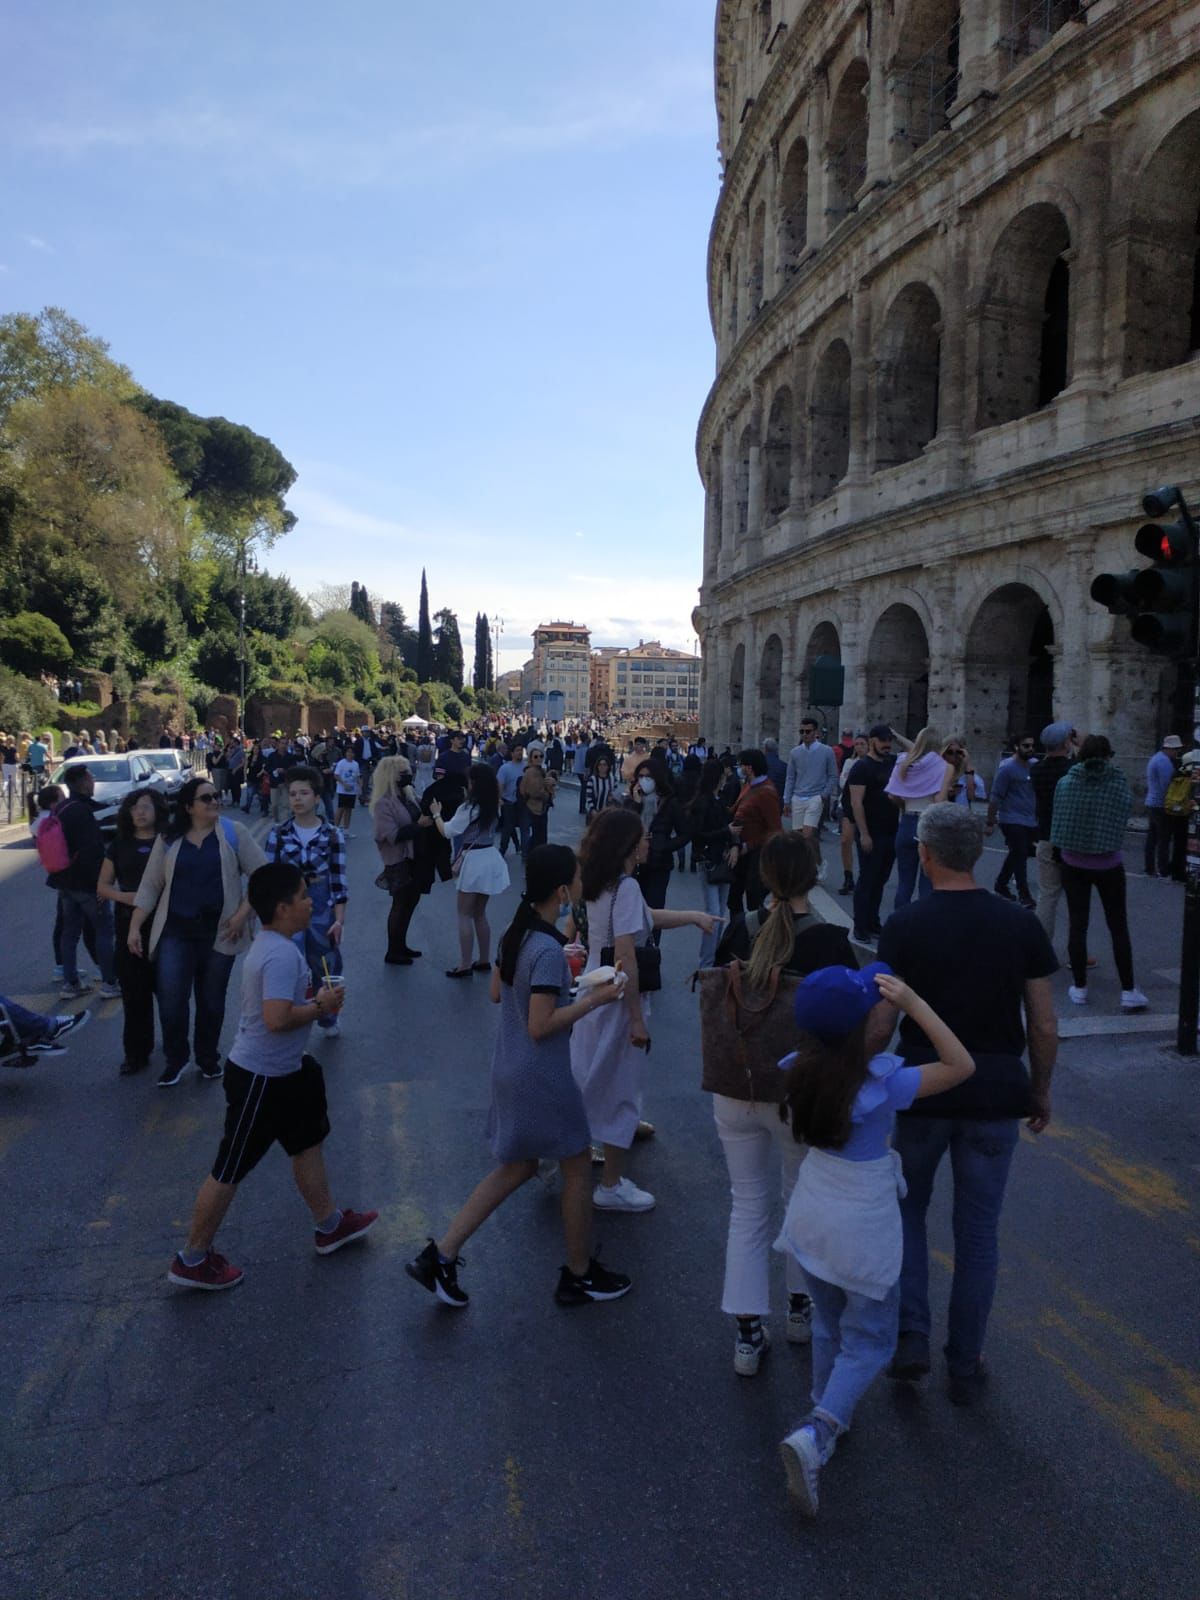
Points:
point(877, 818)
point(984, 965)
point(76, 885)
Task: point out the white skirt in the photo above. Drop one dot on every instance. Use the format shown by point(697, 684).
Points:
point(484, 872)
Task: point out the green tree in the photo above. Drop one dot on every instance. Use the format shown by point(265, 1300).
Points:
point(53, 351)
point(70, 591)
point(344, 653)
point(360, 605)
point(30, 643)
point(424, 663)
point(395, 633)
point(156, 631)
point(448, 651)
point(217, 663)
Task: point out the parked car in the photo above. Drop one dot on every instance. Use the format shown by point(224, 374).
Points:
point(115, 776)
point(170, 764)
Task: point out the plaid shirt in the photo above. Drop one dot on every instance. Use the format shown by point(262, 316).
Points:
point(1091, 807)
point(324, 856)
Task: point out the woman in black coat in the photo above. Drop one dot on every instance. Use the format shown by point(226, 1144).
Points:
point(652, 795)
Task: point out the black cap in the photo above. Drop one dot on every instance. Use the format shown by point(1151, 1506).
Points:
point(880, 730)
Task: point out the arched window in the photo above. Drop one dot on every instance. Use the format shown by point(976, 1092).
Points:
point(793, 213)
point(925, 71)
point(758, 245)
point(1162, 306)
point(777, 485)
point(846, 144)
point(910, 354)
point(1025, 318)
point(1030, 26)
point(741, 483)
point(831, 420)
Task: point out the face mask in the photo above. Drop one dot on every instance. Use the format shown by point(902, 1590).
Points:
point(646, 785)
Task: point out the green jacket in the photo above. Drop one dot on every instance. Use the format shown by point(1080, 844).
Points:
point(1091, 807)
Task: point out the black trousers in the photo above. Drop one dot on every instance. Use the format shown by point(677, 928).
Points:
point(1078, 883)
point(653, 881)
point(1166, 844)
point(1020, 841)
point(136, 976)
point(874, 870)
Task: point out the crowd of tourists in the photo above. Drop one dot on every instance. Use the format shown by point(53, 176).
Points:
point(810, 1093)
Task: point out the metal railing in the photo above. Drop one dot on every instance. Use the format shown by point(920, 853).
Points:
point(925, 91)
point(1032, 26)
point(15, 791)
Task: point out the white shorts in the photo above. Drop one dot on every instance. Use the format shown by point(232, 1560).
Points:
point(807, 813)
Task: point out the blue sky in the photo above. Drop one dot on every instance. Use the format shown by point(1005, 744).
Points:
point(450, 258)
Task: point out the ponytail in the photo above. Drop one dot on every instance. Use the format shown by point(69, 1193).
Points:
point(773, 945)
point(548, 867)
point(514, 937)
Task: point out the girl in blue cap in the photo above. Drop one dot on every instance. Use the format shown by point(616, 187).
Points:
point(843, 1220)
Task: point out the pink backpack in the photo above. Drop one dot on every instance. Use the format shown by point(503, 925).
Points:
point(52, 848)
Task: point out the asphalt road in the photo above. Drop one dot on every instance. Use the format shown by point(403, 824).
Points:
point(327, 1430)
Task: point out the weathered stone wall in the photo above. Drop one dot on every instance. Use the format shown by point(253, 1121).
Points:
point(324, 716)
point(265, 714)
point(222, 715)
point(954, 290)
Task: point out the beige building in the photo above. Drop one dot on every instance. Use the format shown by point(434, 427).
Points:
point(560, 665)
point(601, 680)
point(649, 679)
point(954, 285)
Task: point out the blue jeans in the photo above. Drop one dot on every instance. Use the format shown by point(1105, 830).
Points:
point(514, 824)
point(874, 869)
point(184, 967)
point(80, 907)
point(30, 1025)
point(908, 864)
point(980, 1156)
point(853, 1339)
point(716, 898)
point(315, 945)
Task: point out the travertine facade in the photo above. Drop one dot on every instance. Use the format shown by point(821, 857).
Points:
point(955, 289)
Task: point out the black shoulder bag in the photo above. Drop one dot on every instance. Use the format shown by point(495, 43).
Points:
point(649, 956)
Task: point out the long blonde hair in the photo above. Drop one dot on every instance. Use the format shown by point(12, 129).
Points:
point(787, 865)
point(928, 739)
point(393, 777)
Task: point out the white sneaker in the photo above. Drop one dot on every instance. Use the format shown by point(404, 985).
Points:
point(623, 1196)
point(747, 1354)
point(1077, 997)
point(1133, 1000)
point(799, 1322)
point(802, 1461)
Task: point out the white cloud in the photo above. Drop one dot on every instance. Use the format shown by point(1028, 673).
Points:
point(36, 243)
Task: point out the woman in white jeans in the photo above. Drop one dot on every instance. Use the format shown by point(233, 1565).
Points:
point(762, 1156)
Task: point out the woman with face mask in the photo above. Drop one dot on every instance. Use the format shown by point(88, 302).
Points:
point(653, 798)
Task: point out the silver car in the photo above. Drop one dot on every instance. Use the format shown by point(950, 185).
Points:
point(115, 777)
point(169, 764)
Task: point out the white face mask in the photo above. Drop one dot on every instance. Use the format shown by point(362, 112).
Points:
point(646, 785)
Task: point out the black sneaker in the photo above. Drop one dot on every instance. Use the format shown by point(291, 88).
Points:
point(597, 1283)
point(170, 1076)
point(966, 1388)
point(212, 1073)
point(847, 885)
point(911, 1360)
point(67, 1024)
point(128, 1068)
point(438, 1276)
point(1005, 894)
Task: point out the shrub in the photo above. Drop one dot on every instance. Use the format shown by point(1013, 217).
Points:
point(25, 706)
point(32, 643)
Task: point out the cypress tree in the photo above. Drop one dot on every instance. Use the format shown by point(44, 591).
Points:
point(489, 676)
point(479, 671)
point(448, 653)
point(425, 661)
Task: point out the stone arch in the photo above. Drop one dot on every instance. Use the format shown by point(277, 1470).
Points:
point(741, 482)
point(830, 433)
point(770, 687)
point(909, 376)
point(897, 670)
point(793, 209)
point(756, 266)
point(716, 501)
point(1162, 293)
point(1009, 669)
point(737, 696)
point(924, 70)
point(731, 289)
point(824, 640)
point(777, 472)
point(846, 141)
point(1025, 322)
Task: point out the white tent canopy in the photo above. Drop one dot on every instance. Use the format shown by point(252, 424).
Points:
point(415, 722)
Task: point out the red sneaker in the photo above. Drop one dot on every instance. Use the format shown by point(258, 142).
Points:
point(214, 1272)
point(352, 1226)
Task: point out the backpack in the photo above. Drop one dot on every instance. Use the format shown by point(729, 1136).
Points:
point(1177, 801)
point(53, 851)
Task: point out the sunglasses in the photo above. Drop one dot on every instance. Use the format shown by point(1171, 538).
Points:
point(210, 797)
point(953, 750)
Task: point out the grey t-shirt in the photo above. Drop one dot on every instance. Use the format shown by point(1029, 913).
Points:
point(274, 969)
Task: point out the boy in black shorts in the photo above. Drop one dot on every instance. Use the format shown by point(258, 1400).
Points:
point(272, 1089)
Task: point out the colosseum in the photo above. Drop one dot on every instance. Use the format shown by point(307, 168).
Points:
point(954, 283)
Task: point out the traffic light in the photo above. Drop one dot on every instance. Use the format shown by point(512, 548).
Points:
point(1162, 599)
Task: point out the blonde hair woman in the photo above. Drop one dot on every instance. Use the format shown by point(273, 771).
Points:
point(760, 1152)
point(919, 780)
point(395, 818)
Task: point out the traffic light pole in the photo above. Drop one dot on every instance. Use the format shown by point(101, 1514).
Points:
point(1189, 951)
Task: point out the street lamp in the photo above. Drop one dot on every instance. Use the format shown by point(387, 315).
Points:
point(498, 631)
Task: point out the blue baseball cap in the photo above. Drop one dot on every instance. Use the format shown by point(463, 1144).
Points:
point(831, 1002)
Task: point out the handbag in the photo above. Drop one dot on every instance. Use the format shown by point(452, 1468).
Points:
point(648, 956)
point(745, 1034)
point(396, 877)
point(719, 871)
